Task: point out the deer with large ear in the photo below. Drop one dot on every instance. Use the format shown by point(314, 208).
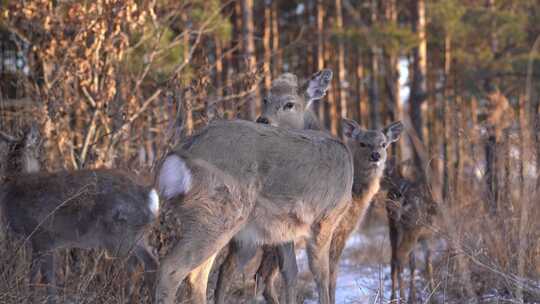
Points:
point(288, 105)
point(369, 154)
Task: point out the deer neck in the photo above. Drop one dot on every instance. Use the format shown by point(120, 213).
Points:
point(366, 185)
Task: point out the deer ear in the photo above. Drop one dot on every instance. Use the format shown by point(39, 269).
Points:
point(393, 131)
point(174, 177)
point(350, 128)
point(317, 86)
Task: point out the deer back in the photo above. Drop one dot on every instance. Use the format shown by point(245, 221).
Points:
point(85, 209)
point(288, 165)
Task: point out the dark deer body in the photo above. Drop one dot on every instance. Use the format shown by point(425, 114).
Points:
point(74, 209)
point(410, 209)
point(282, 169)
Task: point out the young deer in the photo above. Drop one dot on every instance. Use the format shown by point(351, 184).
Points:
point(258, 184)
point(79, 209)
point(410, 210)
point(287, 105)
point(369, 153)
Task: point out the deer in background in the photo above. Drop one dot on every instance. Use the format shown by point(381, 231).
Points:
point(410, 209)
point(369, 153)
point(287, 105)
point(74, 209)
point(20, 154)
point(254, 183)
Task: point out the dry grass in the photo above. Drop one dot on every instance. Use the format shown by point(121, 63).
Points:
point(84, 276)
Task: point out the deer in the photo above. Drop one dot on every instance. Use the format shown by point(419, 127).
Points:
point(87, 209)
point(253, 183)
point(287, 105)
point(20, 154)
point(410, 210)
point(368, 148)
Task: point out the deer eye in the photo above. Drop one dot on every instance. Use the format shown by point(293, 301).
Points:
point(288, 106)
point(394, 195)
point(363, 145)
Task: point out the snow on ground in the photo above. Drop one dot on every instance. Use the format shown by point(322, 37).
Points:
point(357, 283)
point(364, 271)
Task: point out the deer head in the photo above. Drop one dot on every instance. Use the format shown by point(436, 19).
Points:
point(369, 149)
point(287, 103)
point(408, 202)
point(20, 154)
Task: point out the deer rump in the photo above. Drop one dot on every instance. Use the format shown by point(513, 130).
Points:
point(300, 176)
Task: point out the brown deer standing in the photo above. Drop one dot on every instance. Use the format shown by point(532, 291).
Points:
point(78, 209)
point(369, 153)
point(258, 184)
point(410, 210)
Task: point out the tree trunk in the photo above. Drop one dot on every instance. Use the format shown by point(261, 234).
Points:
point(373, 94)
point(360, 89)
point(419, 69)
point(188, 102)
point(445, 120)
point(320, 55)
point(278, 60)
point(219, 75)
point(253, 104)
point(266, 44)
point(342, 81)
point(392, 77)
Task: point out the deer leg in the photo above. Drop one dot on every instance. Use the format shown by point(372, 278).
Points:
point(429, 265)
point(130, 286)
point(269, 289)
point(400, 280)
point(176, 266)
point(150, 264)
point(226, 271)
point(336, 250)
point(48, 274)
point(270, 294)
point(412, 267)
point(289, 270)
point(198, 282)
point(318, 249)
point(394, 261)
point(394, 267)
point(347, 224)
point(43, 261)
point(267, 273)
point(203, 233)
point(35, 267)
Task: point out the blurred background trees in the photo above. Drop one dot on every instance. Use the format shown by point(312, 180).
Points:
point(105, 80)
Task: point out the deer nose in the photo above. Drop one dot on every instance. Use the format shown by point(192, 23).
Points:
point(262, 120)
point(375, 156)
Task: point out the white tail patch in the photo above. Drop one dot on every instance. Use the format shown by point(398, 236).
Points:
point(153, 202)
point(174, 177)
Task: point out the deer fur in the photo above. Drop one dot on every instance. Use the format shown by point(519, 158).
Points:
point(269, 192)
point(75, 209)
